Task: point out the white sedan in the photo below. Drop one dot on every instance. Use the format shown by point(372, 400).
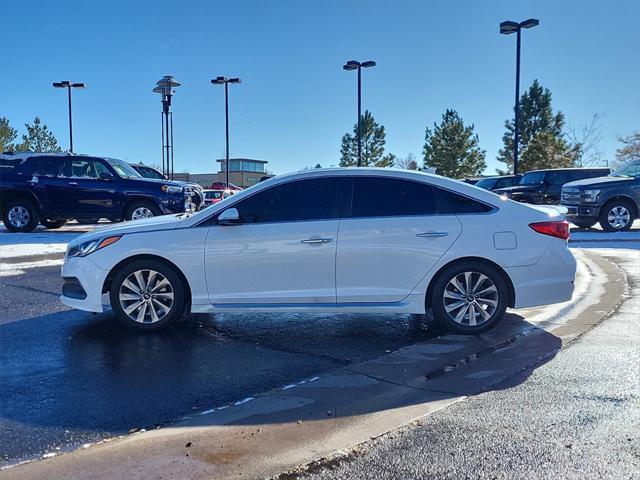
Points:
point(330, 240)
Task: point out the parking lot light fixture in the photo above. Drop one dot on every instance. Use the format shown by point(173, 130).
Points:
point(226, 81)
point(166, 88)
point(355, 65)
point(507, 28)
point(69, 85)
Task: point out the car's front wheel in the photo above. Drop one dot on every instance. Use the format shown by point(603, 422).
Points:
point(141, 209)
point(20, 216)
point(147, 295)
point(469, 297)
point(617, 216)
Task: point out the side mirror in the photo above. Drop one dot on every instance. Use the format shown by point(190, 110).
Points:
point(106, 176)
point(229, 217)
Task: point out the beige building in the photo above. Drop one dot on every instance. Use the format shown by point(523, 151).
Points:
point(243, 172)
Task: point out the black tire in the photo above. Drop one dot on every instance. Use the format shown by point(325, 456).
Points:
point(465, 325)
point(53, 224)
point(619, 206)
point(583, 225)
point(20, 216)
point(176, 286)
point(87, 221)
point(141, 204)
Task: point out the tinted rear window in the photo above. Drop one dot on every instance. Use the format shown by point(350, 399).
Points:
point(387, 197)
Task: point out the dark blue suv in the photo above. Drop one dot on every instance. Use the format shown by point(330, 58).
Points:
point(51, 188)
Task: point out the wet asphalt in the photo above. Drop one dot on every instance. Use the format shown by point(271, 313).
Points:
point(68, 377)
point(576, 417)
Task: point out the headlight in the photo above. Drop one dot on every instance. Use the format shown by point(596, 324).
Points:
point(590, 196)
point(85, 248)
point(171, 189)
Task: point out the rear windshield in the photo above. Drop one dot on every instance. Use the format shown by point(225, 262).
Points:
point(486, 182)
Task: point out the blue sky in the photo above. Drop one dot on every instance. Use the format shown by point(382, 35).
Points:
point(296, 102)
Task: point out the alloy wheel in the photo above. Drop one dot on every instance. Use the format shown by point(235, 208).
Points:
point(141, 212)
point(19, 216)
point(470, 298)
point(619, 217)
point(146, 296)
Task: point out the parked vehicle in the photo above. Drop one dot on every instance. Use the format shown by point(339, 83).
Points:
point(222, 186)
point(471, 181)
point(493, 183)
point(211, 197)
point(327, 241)
point(544, 187)
point(193, 190)
point(613, 201)
point(51, 188)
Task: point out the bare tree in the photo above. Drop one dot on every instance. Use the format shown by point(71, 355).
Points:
point(630, 149)
point(408, 163)
point(586, 142)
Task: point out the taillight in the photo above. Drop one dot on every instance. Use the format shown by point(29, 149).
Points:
point(555, 229)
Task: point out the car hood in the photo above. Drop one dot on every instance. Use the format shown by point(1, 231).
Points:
point(599, 182)
point(157, 181)
point(163, 222)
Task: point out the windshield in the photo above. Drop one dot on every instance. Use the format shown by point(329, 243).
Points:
point(487, 183)
point(533, 178)
point(629, 169)
point(150, 173)
point(123, 169)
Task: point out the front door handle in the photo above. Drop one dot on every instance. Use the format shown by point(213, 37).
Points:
point(74, 184)
point(317, 240)
point(432, 234)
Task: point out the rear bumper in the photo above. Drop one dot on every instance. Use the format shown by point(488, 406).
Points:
point(550, 280)
point(89, 278)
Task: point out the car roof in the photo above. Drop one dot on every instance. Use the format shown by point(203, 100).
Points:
point(568, 169)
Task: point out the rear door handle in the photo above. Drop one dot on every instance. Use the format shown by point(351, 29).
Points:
point(432, 234)
point(317, 240)
point(74, 184)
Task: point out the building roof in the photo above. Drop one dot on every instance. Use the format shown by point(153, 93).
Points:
point(243, 160)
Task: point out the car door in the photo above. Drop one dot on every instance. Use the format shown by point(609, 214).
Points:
point(553, 186)
point(90, 195)
point(283, 251)
point(391, 239)
point(46, 179)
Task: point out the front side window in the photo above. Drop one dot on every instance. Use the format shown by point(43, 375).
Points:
point(390, 197)
point(313, 199)
point(533, 178)
point(558, 178)
point(81, 168)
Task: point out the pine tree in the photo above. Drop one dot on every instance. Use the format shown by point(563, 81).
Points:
point(373, 141)
point(7, 135)
point(38, 139)
point(453, 148)
point(542, 143)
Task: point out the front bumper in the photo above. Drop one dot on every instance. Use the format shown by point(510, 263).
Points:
point(582, 212)
point(90, 278)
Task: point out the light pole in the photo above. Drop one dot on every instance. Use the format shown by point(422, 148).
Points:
point(165, 87)
point(355, 65)
point(68, 85)
point(507, 28)
point(226, 81)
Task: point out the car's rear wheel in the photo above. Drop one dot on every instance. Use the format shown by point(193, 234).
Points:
point(617, 216)
point(147, 295)
point(469, 297)
point(20, 215)
point(53, 224)
point(141, 209)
